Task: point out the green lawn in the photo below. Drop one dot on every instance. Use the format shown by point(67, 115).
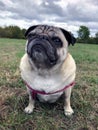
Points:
point(13, 96)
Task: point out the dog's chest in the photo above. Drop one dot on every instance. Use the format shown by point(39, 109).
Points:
point(47, 84)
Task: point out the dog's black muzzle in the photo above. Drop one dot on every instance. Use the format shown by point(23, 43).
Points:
point(42, 51)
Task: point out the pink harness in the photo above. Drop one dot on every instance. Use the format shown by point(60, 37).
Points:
point(35, 92)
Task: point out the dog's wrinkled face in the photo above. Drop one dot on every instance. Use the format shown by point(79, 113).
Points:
point(47, 45)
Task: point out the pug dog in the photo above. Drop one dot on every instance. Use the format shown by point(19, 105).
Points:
point(47, 68)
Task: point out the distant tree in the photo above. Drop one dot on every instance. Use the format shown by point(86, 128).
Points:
point(12, 32)
point(8, 32)
point(2, 32)
point(96, 38)
point(15, 31)
point(96, 35)
point(23, 33)
point(83, 34)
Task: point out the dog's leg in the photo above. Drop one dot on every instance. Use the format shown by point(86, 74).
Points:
point(30, 107)
point(67, 107)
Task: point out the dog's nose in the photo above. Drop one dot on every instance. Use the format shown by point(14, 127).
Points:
point(37, 49)
point(38, 54)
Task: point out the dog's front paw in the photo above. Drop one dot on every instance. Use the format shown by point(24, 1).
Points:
point(28, 110)
point(68, 111)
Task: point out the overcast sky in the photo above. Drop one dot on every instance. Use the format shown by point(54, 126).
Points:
point(68, 14)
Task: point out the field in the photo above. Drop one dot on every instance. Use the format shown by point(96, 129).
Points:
point(13, 96)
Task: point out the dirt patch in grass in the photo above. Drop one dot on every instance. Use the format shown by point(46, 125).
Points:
point(7, 93)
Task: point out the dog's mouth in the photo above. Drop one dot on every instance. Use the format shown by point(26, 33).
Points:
point(42, 52)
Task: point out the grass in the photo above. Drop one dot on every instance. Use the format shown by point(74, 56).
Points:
point(13, 96)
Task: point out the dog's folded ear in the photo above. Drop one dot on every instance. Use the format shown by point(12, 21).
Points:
point(29, 30)
point(69, 37)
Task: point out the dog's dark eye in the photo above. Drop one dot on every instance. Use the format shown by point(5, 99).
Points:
point(31, 35)
point(57, 41)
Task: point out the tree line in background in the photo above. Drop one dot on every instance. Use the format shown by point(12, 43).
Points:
point(84, 36)
point(12, 32)
point(16, 32)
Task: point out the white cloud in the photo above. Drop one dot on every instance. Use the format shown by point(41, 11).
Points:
point(69, 14)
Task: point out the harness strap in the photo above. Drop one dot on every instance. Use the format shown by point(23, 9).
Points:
point(35, 92)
